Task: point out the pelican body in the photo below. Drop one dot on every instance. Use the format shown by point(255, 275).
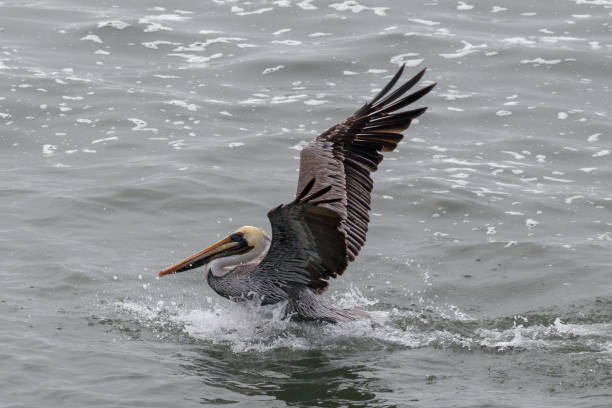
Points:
point(315, 236)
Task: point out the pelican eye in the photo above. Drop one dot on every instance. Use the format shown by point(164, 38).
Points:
point(237, 237)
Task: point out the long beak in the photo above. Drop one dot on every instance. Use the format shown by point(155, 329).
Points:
point(200, 258)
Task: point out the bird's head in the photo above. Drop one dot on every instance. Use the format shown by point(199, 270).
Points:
point(240, 242)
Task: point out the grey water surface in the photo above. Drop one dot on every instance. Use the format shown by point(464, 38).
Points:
point(134, 133)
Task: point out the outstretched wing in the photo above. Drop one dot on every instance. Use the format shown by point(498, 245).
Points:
point(344, 156)
point(307, 242)
point(314, 240)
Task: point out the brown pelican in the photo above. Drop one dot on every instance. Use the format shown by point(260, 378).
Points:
point(315, 236)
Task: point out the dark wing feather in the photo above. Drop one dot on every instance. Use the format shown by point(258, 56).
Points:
point(344, 156)
point(307, 242)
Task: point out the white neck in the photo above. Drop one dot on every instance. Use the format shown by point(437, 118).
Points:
point(222, 266)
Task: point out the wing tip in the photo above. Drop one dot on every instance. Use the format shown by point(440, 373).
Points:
point(430, 87)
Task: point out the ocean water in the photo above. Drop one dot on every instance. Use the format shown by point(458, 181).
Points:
point(135, 133)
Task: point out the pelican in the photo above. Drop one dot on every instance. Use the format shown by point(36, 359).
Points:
point(315, 236)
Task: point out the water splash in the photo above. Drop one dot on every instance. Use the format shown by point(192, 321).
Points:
point(254, 328)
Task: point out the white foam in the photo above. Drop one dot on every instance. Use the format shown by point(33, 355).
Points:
point(272, 69)
point(517, 156)
point(594, 2)
point(92, 37)
point(403, 59)
point(597, 329)
point(210, 32)
point(355, 7)
point(153, 22)
point(166, 76)
point(281, 31)
point(519, 41)
point(286, 42)
point(453, 95)
point(595, 45)
point(601, 153)
point(428, 23)
point(155, 44)
point(572, 198)
point(196, 61)
point(463, 6)
point(314, 102)
point(467, 49)
point(48, 149)
point(557, 334)
point(559, 180)
point(306, 5)
point(511, 338)
point(162, 17)
point(594, 138)
point(540, 61)
point(106, 139)
point(239, 11)
point(201, 46)
point(189, 106)
point(556, 39)
point(352, 298)
point(498, 9)
point(116, 24)
point(141, 125)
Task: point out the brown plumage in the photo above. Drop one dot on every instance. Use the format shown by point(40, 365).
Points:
point(344, 156)
point(316, 235)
